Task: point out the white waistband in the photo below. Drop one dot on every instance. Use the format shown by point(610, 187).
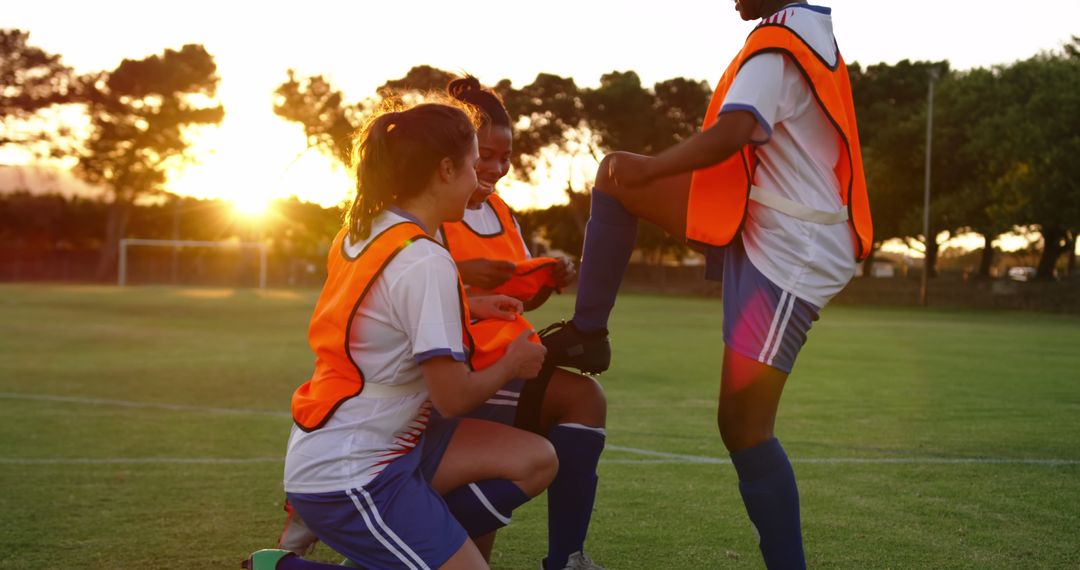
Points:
point(795, 209)
point(393, 391)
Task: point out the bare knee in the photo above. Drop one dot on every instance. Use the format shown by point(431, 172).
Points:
point(574, 399)
point(603, 182)
point(749, 397)
point(537, 465)
point(740, 431)
point(593, 401)
point(729, 430)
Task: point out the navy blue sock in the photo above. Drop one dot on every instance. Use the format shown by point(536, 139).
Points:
point(572, 493)
point(610, 235)
point(485, 506)
point(297, 563)
point(767, 484)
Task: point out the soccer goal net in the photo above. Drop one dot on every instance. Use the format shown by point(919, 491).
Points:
point(227, 263)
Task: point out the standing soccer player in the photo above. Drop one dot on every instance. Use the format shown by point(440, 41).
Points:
point(773, 191)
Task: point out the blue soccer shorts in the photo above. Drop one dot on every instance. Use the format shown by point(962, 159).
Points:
point(761, 321)
point(396, 520)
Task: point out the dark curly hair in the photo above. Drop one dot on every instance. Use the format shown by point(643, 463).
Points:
point(468, 90)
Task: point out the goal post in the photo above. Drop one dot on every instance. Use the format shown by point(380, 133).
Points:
point(122, 266)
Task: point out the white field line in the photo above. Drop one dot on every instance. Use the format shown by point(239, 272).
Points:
point(141, 461)
point(659, 457)
point(650, 457)
point(146, 405)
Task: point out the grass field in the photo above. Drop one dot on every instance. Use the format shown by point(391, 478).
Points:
point(145, 428)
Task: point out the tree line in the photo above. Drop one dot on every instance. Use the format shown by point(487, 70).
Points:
point(1004, 137)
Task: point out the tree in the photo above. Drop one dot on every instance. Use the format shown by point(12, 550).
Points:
point(548, 110)
point(417, 80)
point(891, 105)
point(975, 165)
point(328, 122)
point(1043, 186)
point(552, 115)
point(621, 113)
point(563, 226)
point(548, 116)
point(50, 220)
point(139, 114)
point(30, 80)
point(679, 108)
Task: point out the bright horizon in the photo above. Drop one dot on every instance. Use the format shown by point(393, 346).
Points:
point(254, 156)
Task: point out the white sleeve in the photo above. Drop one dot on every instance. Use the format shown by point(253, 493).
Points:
point(427, 306)
point(758, 88)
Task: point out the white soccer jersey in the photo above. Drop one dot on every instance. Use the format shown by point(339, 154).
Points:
point(412, 313)
point(796, 147)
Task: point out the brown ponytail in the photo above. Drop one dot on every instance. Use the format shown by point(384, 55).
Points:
point(396, 154)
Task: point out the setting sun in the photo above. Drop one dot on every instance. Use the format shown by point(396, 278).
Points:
point(251, 206)
point(251, 162)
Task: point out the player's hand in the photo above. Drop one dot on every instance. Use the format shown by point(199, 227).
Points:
point(629, 170)
point(564, 273)
point(485, 273)
point(525, 357)
point(495, 307)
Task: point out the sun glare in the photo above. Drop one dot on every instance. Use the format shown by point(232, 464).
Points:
point(251, 206)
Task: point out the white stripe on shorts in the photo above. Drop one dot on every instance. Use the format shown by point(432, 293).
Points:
point(784, 296)
point(410, 558)
point(498, 402)
point(782, 330)
point(487, 504)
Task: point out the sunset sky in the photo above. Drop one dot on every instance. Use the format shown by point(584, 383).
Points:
point(254, 156)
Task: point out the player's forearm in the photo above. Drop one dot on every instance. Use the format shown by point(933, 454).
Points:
point(455, 390)
point(712, 146)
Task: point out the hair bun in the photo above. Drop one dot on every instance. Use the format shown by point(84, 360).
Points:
point(462, 85)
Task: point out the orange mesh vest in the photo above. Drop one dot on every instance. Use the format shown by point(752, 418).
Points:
point(719, 193)
point(337, 376)
point(530, 275)
point(465, 243)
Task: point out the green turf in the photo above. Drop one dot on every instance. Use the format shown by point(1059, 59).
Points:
point(871, 383)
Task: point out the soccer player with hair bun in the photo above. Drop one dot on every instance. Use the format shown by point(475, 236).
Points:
point(568, 409)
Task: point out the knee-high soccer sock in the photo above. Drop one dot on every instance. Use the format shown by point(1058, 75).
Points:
point(572, 493)
point(610, 235)
point(767, 484)
point(485, 506)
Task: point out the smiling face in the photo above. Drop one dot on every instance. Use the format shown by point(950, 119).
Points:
point(495, 145)
point(461, 185)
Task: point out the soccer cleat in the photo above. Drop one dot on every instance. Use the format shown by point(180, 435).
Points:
point(265, 559)
point(296, 537)
point(576, 561)
point(569, 346)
